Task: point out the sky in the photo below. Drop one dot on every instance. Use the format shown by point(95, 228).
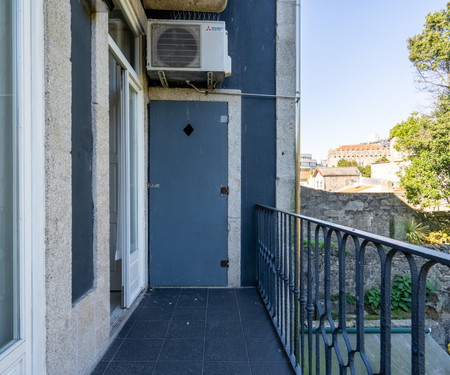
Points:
point(356, 77)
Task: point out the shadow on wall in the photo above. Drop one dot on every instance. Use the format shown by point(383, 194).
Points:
point(376, 213)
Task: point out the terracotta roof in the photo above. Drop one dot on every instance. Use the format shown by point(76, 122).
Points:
point(337, 171)
point(304, 175)
point(360, 147)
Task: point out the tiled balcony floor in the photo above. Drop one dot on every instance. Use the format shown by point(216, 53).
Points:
point(197, 331)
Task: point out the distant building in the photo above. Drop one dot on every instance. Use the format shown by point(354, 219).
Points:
point(363, 154)
point(306, 161)
point(304, 176)
point(369, 185)
point(333, 179)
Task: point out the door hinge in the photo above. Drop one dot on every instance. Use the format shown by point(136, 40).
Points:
point(224, 263)
point(224, 190)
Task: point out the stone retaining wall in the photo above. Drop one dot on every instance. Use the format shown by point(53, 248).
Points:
point(371, 212)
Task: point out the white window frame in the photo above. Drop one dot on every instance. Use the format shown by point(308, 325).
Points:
point(27, 355)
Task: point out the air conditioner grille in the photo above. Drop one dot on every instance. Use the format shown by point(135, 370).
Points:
point(176, 46)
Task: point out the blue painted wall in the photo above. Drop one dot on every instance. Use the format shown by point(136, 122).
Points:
point(251, 38)
point(251, 45)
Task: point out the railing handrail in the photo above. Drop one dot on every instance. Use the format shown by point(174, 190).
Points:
point(434, 255)
point(295, 282)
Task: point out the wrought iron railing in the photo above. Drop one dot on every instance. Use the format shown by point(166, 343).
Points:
point(296, 280)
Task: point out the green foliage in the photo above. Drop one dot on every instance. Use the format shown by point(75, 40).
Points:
point(384, 159)
point(414, 232)
point(401, 295)
point(401, 292)
point(366, 171)
point(424, 141)
point(438, 238)
point(321, 244)
point(351, 299)
point(429, 51)
point(347, 163)
point(372, 298)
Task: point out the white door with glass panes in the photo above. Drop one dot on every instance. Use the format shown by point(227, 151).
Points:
point(16, 224)
point(127, 186)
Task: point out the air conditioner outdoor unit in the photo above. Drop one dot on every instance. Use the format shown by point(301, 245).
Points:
point(196, 51)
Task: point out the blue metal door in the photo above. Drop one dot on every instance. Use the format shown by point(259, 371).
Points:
point(188, 208)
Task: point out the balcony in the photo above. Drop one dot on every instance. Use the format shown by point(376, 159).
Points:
point(308, 314)
point(197, 331)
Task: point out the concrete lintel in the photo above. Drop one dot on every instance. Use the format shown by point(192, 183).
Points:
point(214, 6)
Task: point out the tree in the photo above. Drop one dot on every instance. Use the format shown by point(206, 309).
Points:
point(347, 163)
point(425, 139)
point(365, 171)
point(429, 51)
point(425, 143)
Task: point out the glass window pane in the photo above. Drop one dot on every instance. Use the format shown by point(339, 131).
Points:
point(9, 308)
point(122, 34)
point(133, 172)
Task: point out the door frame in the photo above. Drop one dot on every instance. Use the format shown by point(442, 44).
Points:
point(233, 100)
point(131, 81)
point(28, 353)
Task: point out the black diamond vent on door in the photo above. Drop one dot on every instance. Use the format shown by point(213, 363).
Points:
point(188, 129)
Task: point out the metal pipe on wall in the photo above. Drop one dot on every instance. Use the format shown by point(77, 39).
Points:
point(297, 105)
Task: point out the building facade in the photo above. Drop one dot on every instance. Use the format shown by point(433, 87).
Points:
point(363, 154)
point(333, 179)
point(85, 187)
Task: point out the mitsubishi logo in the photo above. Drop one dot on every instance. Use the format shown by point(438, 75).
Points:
point(208, 29)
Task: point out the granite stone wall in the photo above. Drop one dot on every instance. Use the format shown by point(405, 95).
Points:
point(371, 212)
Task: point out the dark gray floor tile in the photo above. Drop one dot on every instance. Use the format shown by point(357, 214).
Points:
point(165, 292)
point(225, 350)
point(200, 292)
point(149, 329)
point(246, 292)
point(251, 308)
point(112, 350)
point(270, 368)
point(221, 292)
point(160, 301)
point(125, 329)
point(259, 329)
point(154, 313)
point(223, 330)
point(178, 368)
point(254, 314)
point(182, 329)
point(227, 368)
point(224, 314)
point(182, 350)
point(100, 368)
point(139, 350)
point(130, 368)
point(190, 313)
point(250, 301)
point(222, 302)
point(263, 349)
point(192, 300)
point(222, 297)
